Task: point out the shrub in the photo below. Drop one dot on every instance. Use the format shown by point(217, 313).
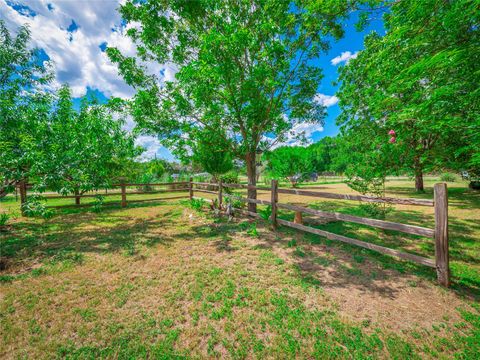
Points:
point(4, 217)
point(252, 230)
point(98, 204)
point(265, 213)
point(34, 208)
point(229, 178)
point(197, 204)
point(448, 177)
point(236, 203)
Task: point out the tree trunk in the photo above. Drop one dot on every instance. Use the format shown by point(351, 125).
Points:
point(418, 176)
point(252, 179)
point(77, 198)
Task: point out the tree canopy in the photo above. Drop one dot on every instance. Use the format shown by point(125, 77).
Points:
point(42, 137)
point(420, 80)
point(243, 68)
point(86, 149)
point(212, 153)
point(289, 162)
point(24, 106)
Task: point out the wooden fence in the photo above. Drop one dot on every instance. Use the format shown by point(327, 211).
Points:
point(440, 204)
point(181, 186)
point(439, 233)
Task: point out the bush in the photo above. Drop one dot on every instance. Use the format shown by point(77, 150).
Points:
point(265, 213)
point(448, 177)
point(229, 178)
point(4, 217)
point(98, 204)
point(34, 208)
point(197, 204)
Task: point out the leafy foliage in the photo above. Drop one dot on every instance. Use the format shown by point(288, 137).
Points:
point(266, 213)
point(34, 207)
point(421, 80)
point(24, 106)
point(289, 162)
point(85, 149)
point(242, 70)
point(212, 153)
point(448, 177)
point(4, 218)
point(197, 204)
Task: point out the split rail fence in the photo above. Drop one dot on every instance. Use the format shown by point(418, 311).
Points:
point(439, 233)
point(125, 190)
point(440, 204)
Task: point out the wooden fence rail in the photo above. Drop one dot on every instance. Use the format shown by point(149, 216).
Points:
point(185, 186)
point(439, 233)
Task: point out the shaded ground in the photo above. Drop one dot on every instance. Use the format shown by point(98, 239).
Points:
point(162, 280)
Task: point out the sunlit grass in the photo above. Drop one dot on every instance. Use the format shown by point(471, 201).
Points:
point(161, 280)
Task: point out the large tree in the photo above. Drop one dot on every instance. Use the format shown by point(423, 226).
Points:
point(243, 67)
point(24, 107)
point(421, 80)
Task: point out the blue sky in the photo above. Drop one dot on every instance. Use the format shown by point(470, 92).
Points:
point(73, 35)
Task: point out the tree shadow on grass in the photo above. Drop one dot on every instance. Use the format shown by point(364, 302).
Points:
point(335, 264)
point(81, 232)
point(219, 233)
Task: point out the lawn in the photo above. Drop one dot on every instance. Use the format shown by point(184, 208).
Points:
point(161, 280)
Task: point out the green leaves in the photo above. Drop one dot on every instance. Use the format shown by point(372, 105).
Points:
point(46, 141)
point(289, 162)
point(242, 69)
point(420, 80)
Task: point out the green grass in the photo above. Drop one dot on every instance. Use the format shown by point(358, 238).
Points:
point(464, 233)
point(159, 280)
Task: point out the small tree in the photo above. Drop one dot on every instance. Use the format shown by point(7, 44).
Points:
point(87, 149)
point(289, 162)
point(24, 108)
point(212, 153)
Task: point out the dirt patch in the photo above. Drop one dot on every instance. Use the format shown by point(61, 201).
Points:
point(367, 292)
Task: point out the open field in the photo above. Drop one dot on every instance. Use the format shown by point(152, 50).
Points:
point(160, 280)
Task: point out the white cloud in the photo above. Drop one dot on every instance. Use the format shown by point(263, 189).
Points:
point(326, 100)
point(299, 135)
point(76, 55)
point(153, 148)
point(344, 57)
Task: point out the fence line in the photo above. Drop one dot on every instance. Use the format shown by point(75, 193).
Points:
point(439, 233)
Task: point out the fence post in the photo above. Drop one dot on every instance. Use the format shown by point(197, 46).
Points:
point(441, 233)
point(190, 188)
point(220, 194)
point(124, 194)
point(274, 200)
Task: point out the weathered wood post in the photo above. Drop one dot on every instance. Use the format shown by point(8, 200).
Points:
point(190, 188)
point(298, 218)
point(274, 200)
point(124, 194)
point(220, 194)
point(441, 233)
